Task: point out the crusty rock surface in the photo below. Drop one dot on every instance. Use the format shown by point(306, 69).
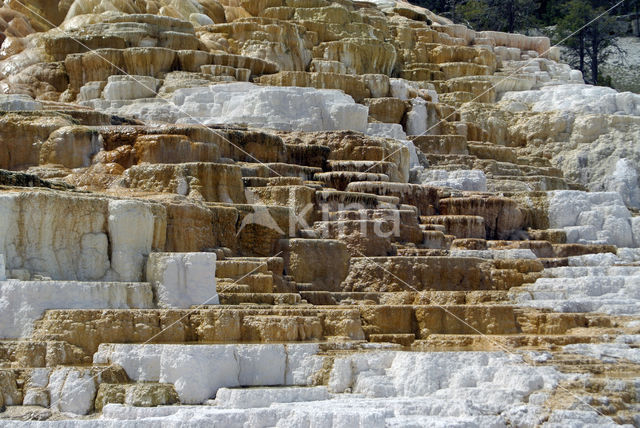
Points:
point(309, 213)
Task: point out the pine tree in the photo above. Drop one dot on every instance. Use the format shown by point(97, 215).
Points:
point(588, 37)
point(498, 15)
point(475, 14)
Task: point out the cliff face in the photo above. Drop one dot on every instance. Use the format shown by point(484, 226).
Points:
point(366, 213)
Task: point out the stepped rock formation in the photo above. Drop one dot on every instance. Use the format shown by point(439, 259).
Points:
point(309, 213)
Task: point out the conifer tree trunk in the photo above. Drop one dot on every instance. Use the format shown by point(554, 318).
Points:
point(595, 42)
point(638, 18)
point(511, 16)
point(581, 50)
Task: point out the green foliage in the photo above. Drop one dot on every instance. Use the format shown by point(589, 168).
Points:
point(446, 8)
point(605, 80)
point(512, 15)
point(474, 13)
point(549, 12)
point(587, 36)
point(571, 23)
point(498, 15)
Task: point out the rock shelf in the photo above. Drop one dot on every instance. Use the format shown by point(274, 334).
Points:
point(309, 213)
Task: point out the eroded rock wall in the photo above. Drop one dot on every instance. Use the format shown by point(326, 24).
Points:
point(190, 189)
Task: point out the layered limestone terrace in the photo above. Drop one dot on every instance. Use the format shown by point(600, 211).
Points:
point(309, 213)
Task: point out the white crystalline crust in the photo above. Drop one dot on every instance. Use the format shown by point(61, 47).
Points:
point(356, 371)
point(373, 389)
point(198, 371)
point(522, 254)
point(417, 123)
point(387, 130)
point(624, 180)
point(591, 283)
point(607, 352)
point(406, 89)
point(578, 98)
point(242, 398)
point(593, 217)
point(130, 88)
point(394, 131)
point(71, 390)
point(384, 3)
point(464, 179)
point(16, 102)
point(599, 151)
point(64, 237)
point(531, 73)
point(131, 227)
point(284, 108)
point(182, 280)
point(23, 302)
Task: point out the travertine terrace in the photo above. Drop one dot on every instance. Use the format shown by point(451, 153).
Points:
point(309, 213)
